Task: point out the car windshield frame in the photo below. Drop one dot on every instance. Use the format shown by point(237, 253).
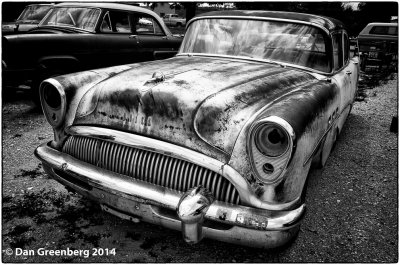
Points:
point(76, 17)
point(32, 11)
point(260, 39)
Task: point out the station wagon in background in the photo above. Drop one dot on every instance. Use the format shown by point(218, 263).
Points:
point(217, 141)
point(27, 20)
point(378, 45)
point(81, 36)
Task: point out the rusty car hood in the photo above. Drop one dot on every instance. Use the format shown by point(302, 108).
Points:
point(202, 103)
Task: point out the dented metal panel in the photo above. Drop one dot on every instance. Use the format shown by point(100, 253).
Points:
point(186, 107)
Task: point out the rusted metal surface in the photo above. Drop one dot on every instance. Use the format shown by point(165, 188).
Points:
point(150, 202)
point(203, 110)
point(186, 108)
point(106, 160)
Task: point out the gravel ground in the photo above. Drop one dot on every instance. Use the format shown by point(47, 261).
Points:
point(352, 203)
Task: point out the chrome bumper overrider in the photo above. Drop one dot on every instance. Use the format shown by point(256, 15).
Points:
point(137, 200)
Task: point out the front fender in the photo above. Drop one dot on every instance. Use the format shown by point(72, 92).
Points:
point(307, 109)
point(75, 86)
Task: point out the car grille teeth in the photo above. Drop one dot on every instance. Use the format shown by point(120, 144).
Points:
point(152, 167)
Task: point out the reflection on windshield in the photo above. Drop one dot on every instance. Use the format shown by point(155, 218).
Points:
point(34, 13)
point(77, 17)
point(282, 42)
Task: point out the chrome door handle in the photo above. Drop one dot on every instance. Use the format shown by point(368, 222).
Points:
point(134, 37)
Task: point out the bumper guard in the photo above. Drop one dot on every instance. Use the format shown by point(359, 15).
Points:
point(250, 226)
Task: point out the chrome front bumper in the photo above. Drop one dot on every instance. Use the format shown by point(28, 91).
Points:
point(137, 200)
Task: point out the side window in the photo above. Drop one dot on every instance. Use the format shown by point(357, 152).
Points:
point(116, 22)
point(392, 31)
point(384, 30)
point(378, 30)
point(145, 24)
point(106, 23)
point(337, 51)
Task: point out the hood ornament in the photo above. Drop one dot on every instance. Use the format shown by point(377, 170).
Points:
point(156, 78)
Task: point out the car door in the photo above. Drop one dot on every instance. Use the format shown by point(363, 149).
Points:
point(153, 42)
point(352, 66)
point(344, 71)
point(115, 44)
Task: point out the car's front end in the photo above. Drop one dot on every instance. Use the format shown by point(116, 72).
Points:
point(214, 145)
point(140, 167)
point(143, 179)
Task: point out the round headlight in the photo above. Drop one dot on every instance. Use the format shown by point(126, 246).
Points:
point(52, 97)
point(270, 146)
point(271, 140)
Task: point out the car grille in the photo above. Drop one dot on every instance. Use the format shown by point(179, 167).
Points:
point(152, 167)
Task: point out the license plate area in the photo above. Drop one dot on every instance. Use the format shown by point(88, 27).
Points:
point(120, 214)
point(373, 55)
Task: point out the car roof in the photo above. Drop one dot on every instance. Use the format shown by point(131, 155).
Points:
point(369, 26)
point(381, 24)
point(329, 24)
point(49, 4)
point(105, 5)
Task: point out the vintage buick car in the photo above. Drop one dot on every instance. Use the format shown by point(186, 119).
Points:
point(27, 20)
point(81, 36)
point(217, 141)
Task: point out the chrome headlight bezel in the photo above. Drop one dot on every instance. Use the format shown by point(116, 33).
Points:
point(55, 114)
point(269, 167)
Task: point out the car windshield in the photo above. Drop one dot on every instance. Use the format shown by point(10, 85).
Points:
point(280, 42)
point(77, 17)
point(33, 13)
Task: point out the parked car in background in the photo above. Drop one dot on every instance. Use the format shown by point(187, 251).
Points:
point(28, 19)
point(378, 45)
point(216, 142)
point(174, 20)
point(80, 36)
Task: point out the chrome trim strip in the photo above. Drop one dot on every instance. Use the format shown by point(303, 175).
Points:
point(160, 196)
point(246, 192)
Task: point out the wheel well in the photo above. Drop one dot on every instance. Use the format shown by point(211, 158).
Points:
point(317, 160)
point(65, 63)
